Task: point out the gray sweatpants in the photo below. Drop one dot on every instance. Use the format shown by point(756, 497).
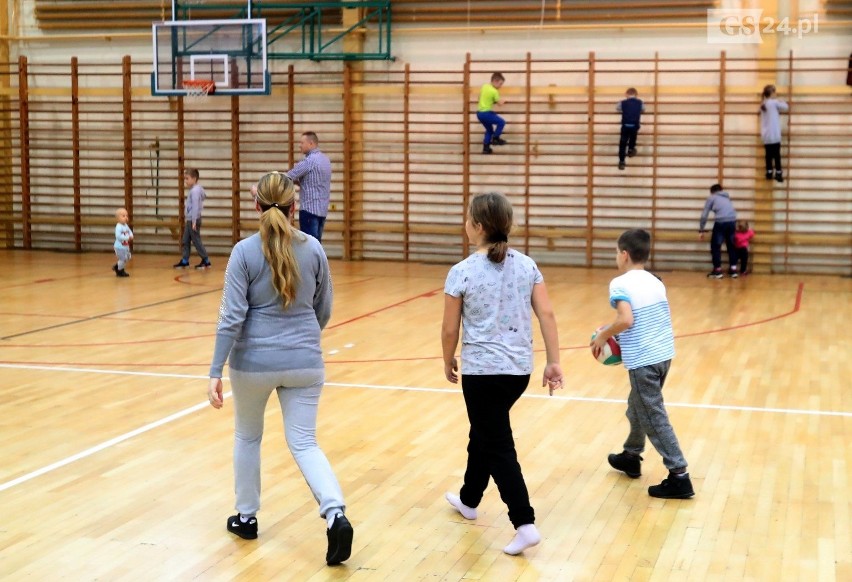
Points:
point(647, 414)
point(193, 237)
point(298, 392)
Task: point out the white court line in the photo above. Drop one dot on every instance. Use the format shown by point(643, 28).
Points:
point(187, 411)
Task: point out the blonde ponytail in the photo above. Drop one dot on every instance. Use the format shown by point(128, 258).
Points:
point(275, 196)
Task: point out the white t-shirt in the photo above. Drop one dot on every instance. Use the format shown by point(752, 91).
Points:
point(650, 340)
point(496, 312)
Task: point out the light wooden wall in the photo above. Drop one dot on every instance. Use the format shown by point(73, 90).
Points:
point(96, 140)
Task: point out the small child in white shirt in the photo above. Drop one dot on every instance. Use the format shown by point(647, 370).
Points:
point(123, 236)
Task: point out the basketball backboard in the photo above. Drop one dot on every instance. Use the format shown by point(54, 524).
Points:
point(230, 53)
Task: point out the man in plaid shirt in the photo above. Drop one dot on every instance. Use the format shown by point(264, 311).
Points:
point(313, 174)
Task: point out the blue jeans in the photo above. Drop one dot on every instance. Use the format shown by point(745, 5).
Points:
point(311, 224)
point(723, 232)
point(493, 124)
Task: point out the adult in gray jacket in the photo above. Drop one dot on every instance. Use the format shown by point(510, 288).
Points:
point(276, 301)
point(724, 227)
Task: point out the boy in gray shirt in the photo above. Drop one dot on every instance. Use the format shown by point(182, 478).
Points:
point(193, 206)
point(724, 227)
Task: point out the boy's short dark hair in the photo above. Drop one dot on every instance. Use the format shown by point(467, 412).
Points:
point(637, 243)
point(192, 173)
point(497, 77)
point(632, 91)
point(715, 188)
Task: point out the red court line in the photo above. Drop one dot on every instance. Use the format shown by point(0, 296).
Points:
point(14, 313)
point(181, 276)
point(386, 307)
point(170, 339)
point(51, 280)
point(112, 343)
point(796, 306)
point(106, 365)
point(330, 360)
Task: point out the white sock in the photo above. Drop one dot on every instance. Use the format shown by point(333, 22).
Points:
point(526, 536)
point(466, 512)
point(330, 516)
point(245, 518)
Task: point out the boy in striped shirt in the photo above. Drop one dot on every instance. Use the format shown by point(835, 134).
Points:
point(643, 325)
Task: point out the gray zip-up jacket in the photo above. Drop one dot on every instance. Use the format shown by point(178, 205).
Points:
point(770, 120)
point(254, 328)
point(723, 209)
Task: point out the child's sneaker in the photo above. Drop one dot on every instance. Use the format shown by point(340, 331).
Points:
point(181, 265)
point(779, 177)
point(715, 274)
point(245, 529)
point(674, 487)
point(121, 273)
point(631, 152)
point(203, 265)
point(486, 149)
point(630, 465)
point(768, 174)
point(733, 273)
point(621, 165)
point(115, 268)
point(498, 141)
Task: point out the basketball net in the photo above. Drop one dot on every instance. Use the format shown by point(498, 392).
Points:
point(198, 90)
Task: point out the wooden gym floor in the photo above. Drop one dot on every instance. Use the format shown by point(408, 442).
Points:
point(115, 468)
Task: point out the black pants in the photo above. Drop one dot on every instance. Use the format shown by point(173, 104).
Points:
point(628, 141)
point(723, 232)
point(742, 259)
point(491, 449)
point(773, 156)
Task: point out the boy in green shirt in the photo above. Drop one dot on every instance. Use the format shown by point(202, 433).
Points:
point(489, 96)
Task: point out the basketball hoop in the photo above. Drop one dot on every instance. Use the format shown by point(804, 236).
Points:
point(199, 89)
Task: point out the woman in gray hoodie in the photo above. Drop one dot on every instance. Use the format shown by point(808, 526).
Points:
point(275, 304)
point(770, 131)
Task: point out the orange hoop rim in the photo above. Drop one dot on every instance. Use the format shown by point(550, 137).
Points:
point(208, 86)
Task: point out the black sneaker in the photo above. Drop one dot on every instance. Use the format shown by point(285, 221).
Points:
point(339, 540)
point(673, 487)
point(779, 177)
point(203, 265)
point(121, 273)
point(181, 265)
point(621, 165)
point(768, 174)
point(498, 141)
point(733, 273)
point(631, 152)
point(630, 465)
point(246, 530)
point(715, 274)
point(115, 268)
point(487, 149)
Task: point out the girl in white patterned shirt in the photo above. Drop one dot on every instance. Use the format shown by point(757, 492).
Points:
point(492, 293)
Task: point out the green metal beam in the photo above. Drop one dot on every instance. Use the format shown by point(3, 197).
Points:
point(307, 21)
